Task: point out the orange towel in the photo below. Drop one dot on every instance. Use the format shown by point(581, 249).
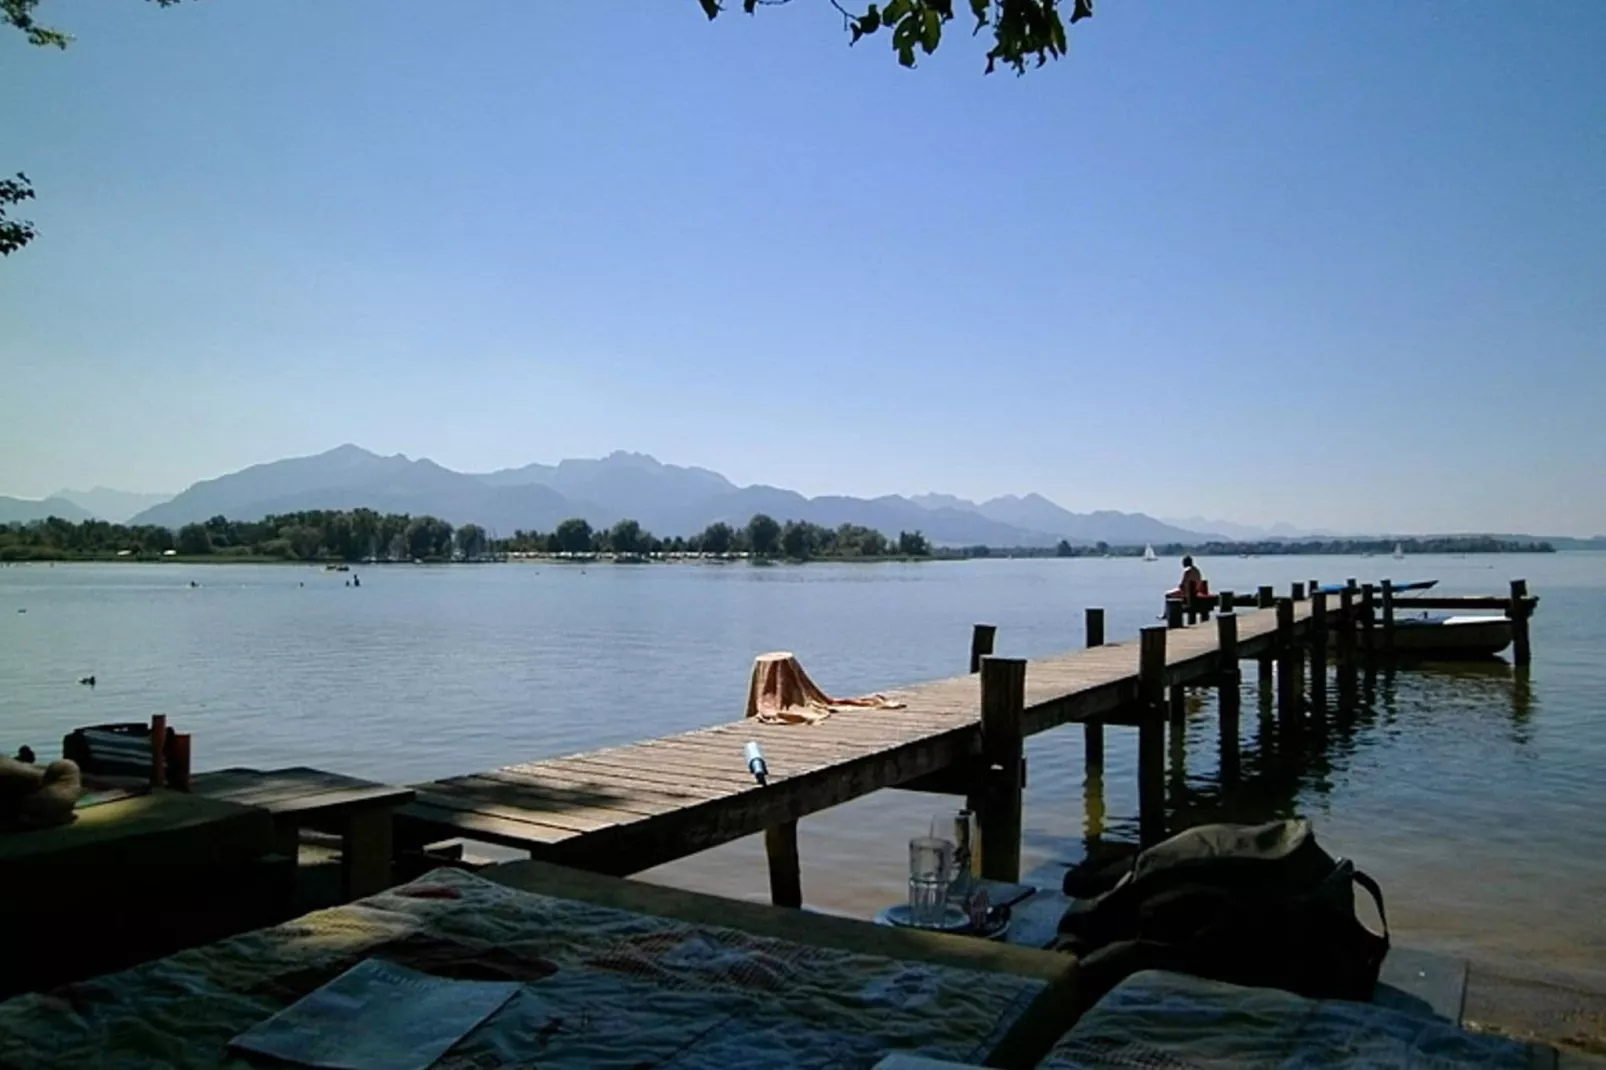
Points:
point(782, 693)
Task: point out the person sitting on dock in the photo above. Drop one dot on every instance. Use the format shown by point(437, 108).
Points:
point(1194, 588)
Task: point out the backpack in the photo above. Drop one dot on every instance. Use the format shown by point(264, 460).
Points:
point(1256, 905)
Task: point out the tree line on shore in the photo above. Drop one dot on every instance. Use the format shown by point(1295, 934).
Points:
point(363, 534)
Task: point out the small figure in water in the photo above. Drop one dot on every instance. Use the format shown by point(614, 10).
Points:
point(194, 584)
point(25, 755)
point(87, 680)
point(355, 580)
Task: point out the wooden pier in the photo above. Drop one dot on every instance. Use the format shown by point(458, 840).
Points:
point(624, 809)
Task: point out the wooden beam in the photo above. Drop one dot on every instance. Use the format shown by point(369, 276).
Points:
point(1266, 597)
point(1151, 736)
point(1003, 700)
point(1388, 617)
point(1287, 651)
point(1318, 650)
point(1368, 619)
point(786, 873)
point(981, 643)
point(1228, 694)
point(1093, 731)
point(1521, 608)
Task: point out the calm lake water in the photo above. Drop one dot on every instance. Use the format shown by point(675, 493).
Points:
point(1473, 794)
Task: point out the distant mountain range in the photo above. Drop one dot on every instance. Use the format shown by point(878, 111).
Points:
point(104, 503)
point(666, 499)
point(27, 510)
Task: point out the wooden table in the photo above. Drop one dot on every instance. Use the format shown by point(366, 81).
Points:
point(1048, 1017)
point(358, 811)
point(129, 879)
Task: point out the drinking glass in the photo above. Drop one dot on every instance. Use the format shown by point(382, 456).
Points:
point(931, 863)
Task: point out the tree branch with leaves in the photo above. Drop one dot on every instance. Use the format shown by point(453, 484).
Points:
point(1022, 30)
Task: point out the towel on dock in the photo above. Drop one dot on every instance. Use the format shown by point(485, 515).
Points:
point(782, 693)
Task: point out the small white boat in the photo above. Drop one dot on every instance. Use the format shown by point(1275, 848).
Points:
point(1399, 552)
point(1148, 554)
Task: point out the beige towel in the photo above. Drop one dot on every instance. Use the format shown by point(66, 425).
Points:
point(782, 693)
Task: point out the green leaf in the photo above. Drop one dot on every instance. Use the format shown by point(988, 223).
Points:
point(869, 22)
point(1083, 9)
point(710, 7)
point(980, 8)
point(906, 56)
point(894, 11)
point(1056, 30)
point(931, 31)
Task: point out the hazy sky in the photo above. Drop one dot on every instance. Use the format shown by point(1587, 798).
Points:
point(1337, 264)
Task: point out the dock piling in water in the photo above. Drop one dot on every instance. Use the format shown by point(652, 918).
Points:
point(1388, 617)
point(1287, 654)
point(1151, 735)
point(1519, 612)
point(1093, 730)
point(1003, 704)
point(1228, 694)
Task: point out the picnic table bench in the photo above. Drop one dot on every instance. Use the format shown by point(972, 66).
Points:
point(358, 811)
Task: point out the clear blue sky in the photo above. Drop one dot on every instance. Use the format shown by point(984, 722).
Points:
point(1359, 248)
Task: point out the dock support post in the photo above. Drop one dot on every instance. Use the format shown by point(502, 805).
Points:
point(1228, 600)
point(1266, 597)
point(1297, 592)
point(786, 875)
point(1176, 698)
point(1287, 652)
point(1318, 650)
point(1228, 694)
point(1368, 620)
point(1346, 648)
point(1093, 731)
point(1003, 702)
point(981, 646)
point(1151, 735)
point(1313, 588)
point(1521, 651)
point(1388, 617)
point(981, 643)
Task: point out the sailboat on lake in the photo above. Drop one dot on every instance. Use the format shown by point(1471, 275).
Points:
point(1148, 554)
point(1399, 552)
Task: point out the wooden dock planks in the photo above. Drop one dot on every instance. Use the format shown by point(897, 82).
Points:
point(624, 809)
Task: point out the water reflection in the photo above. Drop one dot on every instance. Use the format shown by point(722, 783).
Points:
point(1272, 766)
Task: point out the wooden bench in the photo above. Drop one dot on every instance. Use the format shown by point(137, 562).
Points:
point(358, 811)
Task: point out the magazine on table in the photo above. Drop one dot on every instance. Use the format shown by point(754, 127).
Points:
point(377, 1016)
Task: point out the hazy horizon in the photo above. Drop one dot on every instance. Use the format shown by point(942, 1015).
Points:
point(1332, 266)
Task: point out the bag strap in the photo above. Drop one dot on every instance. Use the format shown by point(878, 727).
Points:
point(1376, 893)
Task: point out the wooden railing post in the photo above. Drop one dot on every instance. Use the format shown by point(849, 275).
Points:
point(1521, 651)
point(1388, 617)
point(1151, 735)
point(786, 872)
point(1318, 650)
point(1346, 647)
point(1173, 619)
point(981, 643)
point(1228, 601)
point(1003, 702)
point(1297, 592)
point(1093, 731)
point(1228, 694)
point(1173, 612)
point(981, 646)
point(1368, 620)
point(1287, 651)
point(1266, 597)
